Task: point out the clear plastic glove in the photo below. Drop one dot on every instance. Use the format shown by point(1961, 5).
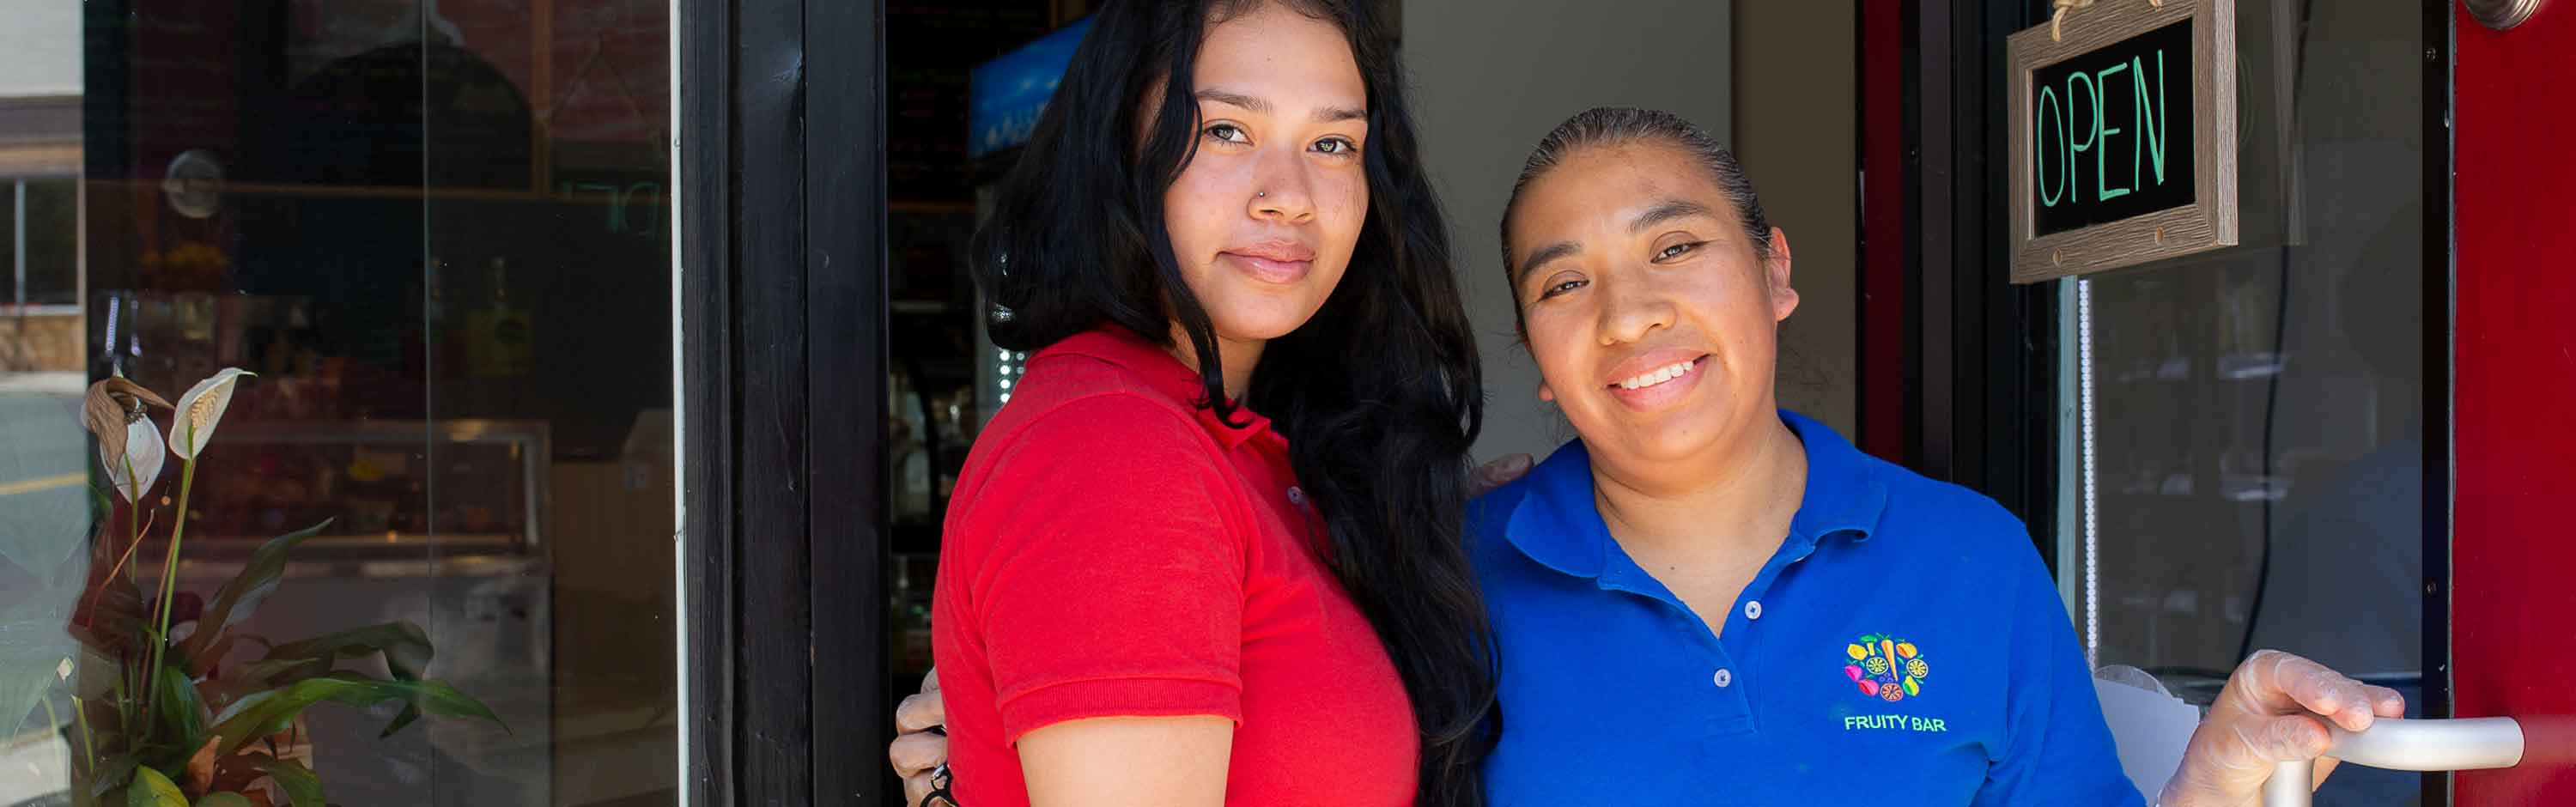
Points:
point(920, 747)
point(2273, 710)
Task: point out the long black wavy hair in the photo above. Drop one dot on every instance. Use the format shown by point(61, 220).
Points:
point(1379, 394)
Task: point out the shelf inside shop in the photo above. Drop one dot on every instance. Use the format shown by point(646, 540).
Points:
point(914, 539)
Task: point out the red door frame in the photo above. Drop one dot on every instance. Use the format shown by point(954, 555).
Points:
point(1885, 316)
point(2514, 364)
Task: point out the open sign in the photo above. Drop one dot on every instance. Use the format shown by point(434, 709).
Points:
point(2123, 138)
point(2103, 131)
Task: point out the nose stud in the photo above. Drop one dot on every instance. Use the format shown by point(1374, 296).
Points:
point(1261, 194)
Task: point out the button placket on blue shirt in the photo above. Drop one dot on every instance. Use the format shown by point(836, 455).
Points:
point(1740, 641)
point(1732, 710)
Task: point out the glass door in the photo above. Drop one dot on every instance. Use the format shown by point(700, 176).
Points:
point(434, 235)
point(2244, 434)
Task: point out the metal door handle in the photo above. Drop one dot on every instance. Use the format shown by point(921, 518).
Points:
point(2397, 744)
point(2502, 15)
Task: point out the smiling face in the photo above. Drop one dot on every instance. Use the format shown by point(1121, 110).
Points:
point(1265, 216)
point(1651, 314)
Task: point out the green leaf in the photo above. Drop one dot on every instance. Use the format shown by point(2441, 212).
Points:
point(409, 715)
point(303, 788)
point(151, 789)
point(241, 595)
point(179, 709)
point(264, 713)
point(268, 671)
point(267, 712)
point(405, 647)
point(200, 666)
point(110, 618)
point(223, 800)
point(438, 698)
point(118, 770)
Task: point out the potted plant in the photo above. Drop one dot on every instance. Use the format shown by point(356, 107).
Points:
point(173, 704)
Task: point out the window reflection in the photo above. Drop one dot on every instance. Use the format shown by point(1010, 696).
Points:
point(2257, 415)
point(437, 234)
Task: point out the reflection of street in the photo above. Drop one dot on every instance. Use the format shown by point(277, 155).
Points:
point(44, 474)
point(41, 483)
point(35, 761)
point(44, 482)
point(40, 427)
point(37, 769)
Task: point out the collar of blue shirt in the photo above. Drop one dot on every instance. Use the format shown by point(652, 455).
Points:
point(1559, 523)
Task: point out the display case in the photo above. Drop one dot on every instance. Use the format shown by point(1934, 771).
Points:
point(387, 488)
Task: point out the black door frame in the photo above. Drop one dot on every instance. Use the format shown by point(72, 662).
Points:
point(2441, 37)
point(782, 340)
point(1981, 365)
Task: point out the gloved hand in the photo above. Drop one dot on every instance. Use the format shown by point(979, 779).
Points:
point(920, 745)
point(2273, 710)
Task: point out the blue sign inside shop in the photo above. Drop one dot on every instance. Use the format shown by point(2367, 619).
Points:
point(1006, 95)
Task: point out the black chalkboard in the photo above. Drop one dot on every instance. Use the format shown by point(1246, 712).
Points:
point(2111, 132)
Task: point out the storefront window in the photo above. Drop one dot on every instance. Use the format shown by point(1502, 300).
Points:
point(436, 236)
point(40, 248)
point(2245, 442)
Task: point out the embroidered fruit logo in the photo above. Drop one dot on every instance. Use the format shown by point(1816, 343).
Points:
point(1885, 667)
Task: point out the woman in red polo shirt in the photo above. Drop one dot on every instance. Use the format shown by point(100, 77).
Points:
point(1209, 553)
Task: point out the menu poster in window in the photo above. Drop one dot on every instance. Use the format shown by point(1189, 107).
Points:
point(2123, 136)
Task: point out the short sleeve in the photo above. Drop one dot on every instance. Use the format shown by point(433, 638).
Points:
point(2058, 749)
point(1112, 582)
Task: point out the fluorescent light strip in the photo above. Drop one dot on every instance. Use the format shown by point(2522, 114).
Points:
point(2092, 546)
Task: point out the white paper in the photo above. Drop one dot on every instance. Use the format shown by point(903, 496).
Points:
point(2151, 729)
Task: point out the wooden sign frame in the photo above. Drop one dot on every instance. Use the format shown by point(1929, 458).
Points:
point(2211, 221)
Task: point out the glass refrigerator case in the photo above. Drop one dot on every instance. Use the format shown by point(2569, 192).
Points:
point(468, 487)
point(966, 84)
point(433, 522)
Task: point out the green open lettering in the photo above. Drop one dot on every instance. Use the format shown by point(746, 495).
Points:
point(2050, 193)
point(2152, 131)
point(2091, 129)
point(2102, 189)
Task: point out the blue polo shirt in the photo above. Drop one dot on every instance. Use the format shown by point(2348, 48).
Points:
point(1904, 646)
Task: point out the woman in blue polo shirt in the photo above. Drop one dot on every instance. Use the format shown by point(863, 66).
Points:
point(1707, 599)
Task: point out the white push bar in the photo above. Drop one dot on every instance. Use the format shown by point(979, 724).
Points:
point(2467, 744)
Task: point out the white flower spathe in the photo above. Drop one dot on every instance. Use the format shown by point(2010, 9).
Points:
point(144, 455)
point(200, 410)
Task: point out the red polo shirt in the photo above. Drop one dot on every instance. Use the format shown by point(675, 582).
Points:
point(1115, 550)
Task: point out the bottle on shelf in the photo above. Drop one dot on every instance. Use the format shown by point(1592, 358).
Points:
point(500, 341)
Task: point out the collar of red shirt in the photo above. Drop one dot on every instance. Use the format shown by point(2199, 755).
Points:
point(1167, 376)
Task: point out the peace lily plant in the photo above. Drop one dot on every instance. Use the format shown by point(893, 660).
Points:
point(160, 717)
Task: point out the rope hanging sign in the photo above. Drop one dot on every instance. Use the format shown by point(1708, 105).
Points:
point(2057, 19)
